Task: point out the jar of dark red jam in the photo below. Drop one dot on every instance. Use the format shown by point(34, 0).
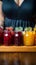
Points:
point(12, 37)
point(1, 35)
point(7, 38)
point(18, 38)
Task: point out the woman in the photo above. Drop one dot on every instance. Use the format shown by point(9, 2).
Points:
point(18, 12)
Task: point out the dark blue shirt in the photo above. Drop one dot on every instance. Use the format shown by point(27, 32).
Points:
point(14, 12)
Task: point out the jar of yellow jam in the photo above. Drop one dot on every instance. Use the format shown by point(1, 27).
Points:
point(35, 38)
point(29, 38)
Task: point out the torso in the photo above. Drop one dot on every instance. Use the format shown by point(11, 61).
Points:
point(19, 12)
point(13, 12)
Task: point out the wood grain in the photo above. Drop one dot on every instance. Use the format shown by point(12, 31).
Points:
point(17, 48)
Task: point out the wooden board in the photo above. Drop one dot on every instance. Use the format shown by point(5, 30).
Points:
point(17, 48)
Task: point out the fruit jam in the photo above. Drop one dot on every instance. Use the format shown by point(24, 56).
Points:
point(18, 39)
point(7, 38)
point(1, 36)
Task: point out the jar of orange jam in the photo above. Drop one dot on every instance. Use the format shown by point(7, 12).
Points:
point(29, 38)
point(35, 34)
point(35, 38)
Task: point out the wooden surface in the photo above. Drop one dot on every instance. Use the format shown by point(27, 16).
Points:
point(17, 48)
point(22, 57)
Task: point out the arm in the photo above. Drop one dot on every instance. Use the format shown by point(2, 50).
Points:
point(1, 15)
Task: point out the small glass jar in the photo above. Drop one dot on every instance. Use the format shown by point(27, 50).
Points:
point(29, 38)
point(35, 38)
point(7, 38)
point(12, 37)
point(18, 38)
point(1, 35)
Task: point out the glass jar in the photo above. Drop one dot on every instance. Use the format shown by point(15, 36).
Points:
point(12, 37)
point(7, 38)
point(1, 35)
point(29, 38)
point(18, 38)
point(35, 38)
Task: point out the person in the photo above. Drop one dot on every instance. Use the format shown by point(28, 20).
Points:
point(16, 11)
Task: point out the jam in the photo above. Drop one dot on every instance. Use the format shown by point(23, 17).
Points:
point(7, 38)
point(18, 38)
point(29, 38)
point(1, 35)
point(35, 38)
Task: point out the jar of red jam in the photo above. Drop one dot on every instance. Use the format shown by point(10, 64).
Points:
point(12, 37)
point(1, 35)
point(7, 38)
point(18, 38)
